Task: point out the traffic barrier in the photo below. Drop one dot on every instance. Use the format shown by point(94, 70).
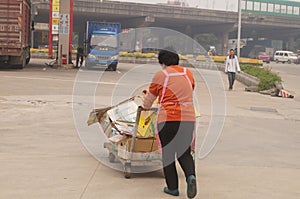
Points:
point(45, 50)
point(242, 60)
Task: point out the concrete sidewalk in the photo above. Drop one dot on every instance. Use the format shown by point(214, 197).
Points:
point(42, 156)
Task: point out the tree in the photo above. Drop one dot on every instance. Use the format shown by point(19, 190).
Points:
point(206, 40)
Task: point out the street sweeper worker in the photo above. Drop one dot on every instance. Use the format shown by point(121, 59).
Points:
point(174, 85)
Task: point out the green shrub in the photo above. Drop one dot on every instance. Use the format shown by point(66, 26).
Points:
point(141, 56)
point(265, 75)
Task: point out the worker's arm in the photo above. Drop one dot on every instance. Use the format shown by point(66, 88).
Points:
point(154, 89)
point(226, 65)
point(191, 77)
point(148, 100)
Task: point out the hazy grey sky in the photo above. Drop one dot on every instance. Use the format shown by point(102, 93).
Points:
point(230, 5)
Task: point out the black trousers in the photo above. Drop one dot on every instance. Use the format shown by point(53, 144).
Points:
point(176, 138)
point(79, 56)
point(231, 78)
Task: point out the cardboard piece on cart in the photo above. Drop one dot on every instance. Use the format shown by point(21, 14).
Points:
point(144, 149)
point(146, 127)
point(97, 115)
point(92, 118)
point(125, 112)
point(106, 125)
point(141, 145)
point(150, 156)
point(122, 117)
point(117, 138)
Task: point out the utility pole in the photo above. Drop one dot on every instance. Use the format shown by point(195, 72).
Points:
point(61, 29)
point(227, 5)
point(65, 32)
point(239, 28)
point(32, 21)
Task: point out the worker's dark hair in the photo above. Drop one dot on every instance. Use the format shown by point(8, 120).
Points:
point(231, 49)
point(168, 56)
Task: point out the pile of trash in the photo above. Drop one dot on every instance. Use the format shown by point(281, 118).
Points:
point(130, 130)
point(121, 119)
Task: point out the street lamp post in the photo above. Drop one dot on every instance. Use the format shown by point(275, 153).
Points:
point(239, 28)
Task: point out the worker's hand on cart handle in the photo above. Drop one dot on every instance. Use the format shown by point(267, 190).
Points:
point(148, 99)
point(148, 109)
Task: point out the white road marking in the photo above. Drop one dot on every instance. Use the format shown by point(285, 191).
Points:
point(56, 79)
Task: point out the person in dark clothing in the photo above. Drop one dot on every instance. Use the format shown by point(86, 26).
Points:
point(79, 55)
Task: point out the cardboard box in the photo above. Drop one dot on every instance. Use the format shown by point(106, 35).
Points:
point(144, 149)
point(140, 145)
point(146, 156)
point(117, 138)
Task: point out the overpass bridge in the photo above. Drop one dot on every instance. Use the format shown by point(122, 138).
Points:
point(257, 22)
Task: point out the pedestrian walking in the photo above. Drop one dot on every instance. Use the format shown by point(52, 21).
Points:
point(174, 86)
point(232, 66)
point(79, 55)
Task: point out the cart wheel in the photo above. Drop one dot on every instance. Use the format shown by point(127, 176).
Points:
point(127, 170)
point(111, 157)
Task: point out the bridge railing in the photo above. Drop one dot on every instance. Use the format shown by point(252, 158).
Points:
point(272, 7)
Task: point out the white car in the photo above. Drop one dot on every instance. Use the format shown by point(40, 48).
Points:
point(285, 56)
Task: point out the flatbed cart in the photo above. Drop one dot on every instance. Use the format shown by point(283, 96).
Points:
point(129, 162)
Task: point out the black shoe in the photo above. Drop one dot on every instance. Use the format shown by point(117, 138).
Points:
point(191, 186)
point(174, 192)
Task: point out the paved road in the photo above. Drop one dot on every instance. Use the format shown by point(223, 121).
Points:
point(42, 155)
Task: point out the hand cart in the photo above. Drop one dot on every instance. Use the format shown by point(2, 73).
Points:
point(130, 159)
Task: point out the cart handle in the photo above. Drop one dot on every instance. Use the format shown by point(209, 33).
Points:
point(140, 108)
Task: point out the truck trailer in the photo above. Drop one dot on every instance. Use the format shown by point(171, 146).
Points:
point(15, 21)
point(102, 45)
